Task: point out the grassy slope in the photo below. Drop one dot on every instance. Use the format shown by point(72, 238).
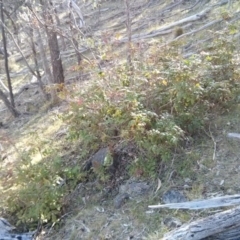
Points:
point(46, 129)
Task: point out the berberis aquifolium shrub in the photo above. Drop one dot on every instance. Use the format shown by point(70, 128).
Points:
point(167, 98)
point(161, 101)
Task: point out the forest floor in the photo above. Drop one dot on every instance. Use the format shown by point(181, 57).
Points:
point(210, 169)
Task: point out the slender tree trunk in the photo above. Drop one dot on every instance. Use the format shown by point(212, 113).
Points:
point(43, 56)
point(74, 41)
point(129, 34)
point(56, 61)
point(46, 67)
point(8, 104)
point(64, 46)
point(57, 68)
point(6, 56)
point(38, 75)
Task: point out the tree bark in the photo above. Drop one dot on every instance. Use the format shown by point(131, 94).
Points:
point(56, 61)
point(38, 75)
point(46, 67)
point(8, 104)
point(129, 34)
point(6, 56)
point(74, 41)
point(216, 225)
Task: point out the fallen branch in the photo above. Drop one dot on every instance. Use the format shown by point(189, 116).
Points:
point(4, 86)
point(224, 201)
point(225, 223)
point(222, 225)
point(167, 29)
point(233, 135)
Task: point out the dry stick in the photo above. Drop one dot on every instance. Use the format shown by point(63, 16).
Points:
point(129, 35)
point(95, 12)
point(197, 2)
point(161, 32)
point(76, 47)
point(19, 49)
point(224, 201)
point(214, 147)
point(171, 7)
point(198, 30)
point(3, 85)
point(168, 27)
point(79, 13)
point(54, 29)
point(214, 143)
point(170, 175)
point(120, 14)
point(183, 35)
point(4, 98)
point(74, 41)
point(208, 39)
point(233, 135)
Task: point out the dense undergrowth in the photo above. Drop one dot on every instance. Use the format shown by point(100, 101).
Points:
point(158, 104)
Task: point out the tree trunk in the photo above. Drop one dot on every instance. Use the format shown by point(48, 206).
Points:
point(56, 61)
point(64, 46)
point(74, 41)
point(8, 104)
point(35, 58)
point(129, 34)
point(57, 68)
point(6, 56)
point(46, 67)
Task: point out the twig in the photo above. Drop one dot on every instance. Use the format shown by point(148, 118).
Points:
point(214, 143)
point(3, 85)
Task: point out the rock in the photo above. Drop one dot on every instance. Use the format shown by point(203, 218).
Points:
point(172, 222)
point(134, 188)
point(120, 199)
point(131, 189)
point(173, 196)
point(102, 158)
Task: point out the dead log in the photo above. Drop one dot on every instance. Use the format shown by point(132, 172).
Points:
point(186, 20)
point(233, 135)
point(216, 226)
point(222, 226)
point(224, 201)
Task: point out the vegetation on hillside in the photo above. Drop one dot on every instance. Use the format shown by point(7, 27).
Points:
point(157, 105)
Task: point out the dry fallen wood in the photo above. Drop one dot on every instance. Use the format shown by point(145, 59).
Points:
point(4, 86)
point(6, 232)
point(233, 135)
point(224, 201)
point(209, 226)
point(166, 28)
point(222, 226)
point(199, 29)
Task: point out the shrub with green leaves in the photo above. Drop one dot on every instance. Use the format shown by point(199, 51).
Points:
point(39, 189)
point(154, 107)
point(167, 98)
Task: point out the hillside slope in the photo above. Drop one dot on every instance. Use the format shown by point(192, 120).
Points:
point(210, 164)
